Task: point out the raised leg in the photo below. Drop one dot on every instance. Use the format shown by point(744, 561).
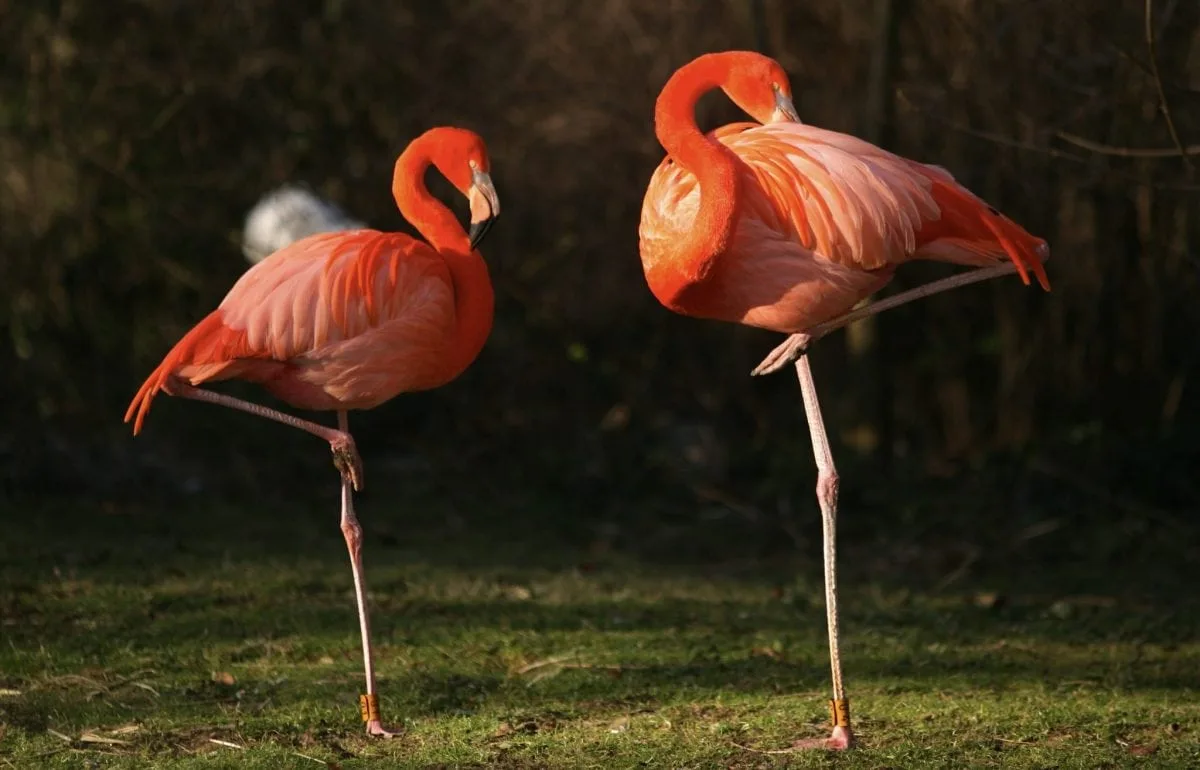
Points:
point(796, 345)
point(827, 495)
point(352, 530)
point(345, 454)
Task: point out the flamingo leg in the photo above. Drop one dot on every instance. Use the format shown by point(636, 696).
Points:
point(796, 345)
point(345, 454)
point(352, 531)
point(827, 496)
point(349, 464)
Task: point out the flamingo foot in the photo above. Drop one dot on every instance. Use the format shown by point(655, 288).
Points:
point(788, 351)
point(841, 739)
point(347, 460)
point(377, 730)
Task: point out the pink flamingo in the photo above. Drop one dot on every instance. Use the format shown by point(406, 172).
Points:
point(786, 226)
point(349, 320)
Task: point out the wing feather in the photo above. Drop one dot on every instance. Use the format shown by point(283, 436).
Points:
point(329, 288)
point(326, 298)
point(822, 220)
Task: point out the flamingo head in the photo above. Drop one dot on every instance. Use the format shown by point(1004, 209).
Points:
point(462, 158)
point(759, 85)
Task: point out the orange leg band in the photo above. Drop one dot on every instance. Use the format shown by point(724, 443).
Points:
point(839, 711)
point(369, 706)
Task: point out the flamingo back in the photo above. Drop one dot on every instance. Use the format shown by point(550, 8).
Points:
point(333, 321)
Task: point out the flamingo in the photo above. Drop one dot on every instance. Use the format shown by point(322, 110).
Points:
point(785, 226)
point(348, 320)
point(287, 214)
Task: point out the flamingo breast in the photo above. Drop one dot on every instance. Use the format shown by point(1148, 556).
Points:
point(820, 224)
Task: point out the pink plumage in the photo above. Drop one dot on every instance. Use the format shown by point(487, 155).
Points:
point(822, 220)
point(333, 321)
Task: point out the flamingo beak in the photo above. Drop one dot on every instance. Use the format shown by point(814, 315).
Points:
point(784, 111)
point(485, 206)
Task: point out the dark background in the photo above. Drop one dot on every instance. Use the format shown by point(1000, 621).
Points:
point(135, 136)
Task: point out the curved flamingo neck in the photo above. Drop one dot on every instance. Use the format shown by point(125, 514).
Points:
point(474, 301)
point(431, 218)
point(713, 165)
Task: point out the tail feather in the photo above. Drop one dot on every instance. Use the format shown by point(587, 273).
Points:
point(210, 344)
point(970, 231)
point(1025, 251)
point(140, 406)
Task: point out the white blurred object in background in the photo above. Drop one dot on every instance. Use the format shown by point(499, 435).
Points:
point(288, 214)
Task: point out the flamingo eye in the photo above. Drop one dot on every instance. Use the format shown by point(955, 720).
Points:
point(472, 164)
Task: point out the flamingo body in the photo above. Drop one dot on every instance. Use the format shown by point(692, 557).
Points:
point(348, 320)
point(334, 321)
point(821, 221)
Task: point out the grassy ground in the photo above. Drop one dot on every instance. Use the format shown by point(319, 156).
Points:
point(223, 635)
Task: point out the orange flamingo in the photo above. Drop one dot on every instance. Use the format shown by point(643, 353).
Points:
point(785, 226)
point(349, 320)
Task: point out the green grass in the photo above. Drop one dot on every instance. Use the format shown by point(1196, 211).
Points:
point(136, 635)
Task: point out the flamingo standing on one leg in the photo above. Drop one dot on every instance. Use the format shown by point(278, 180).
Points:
point(786, 227)
point(288, 214)
point(341, 321)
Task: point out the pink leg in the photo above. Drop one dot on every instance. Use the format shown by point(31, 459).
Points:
point(797, 344)
point(827, 495)
point(352, 530)
point(345, 454)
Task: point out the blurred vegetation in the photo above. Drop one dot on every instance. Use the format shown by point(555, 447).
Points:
point(134, 137)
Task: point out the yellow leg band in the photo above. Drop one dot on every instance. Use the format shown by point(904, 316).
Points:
point(369, 706)
point(839, 711)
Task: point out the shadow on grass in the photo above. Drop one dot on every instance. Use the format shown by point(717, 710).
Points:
point(213, 615)
point(958, 536)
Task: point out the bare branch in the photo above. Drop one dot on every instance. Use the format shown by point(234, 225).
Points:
point(1000, 139)
point(1128, 152)
point(1162, 95)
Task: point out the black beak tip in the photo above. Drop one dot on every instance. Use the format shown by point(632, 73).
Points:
point(479, 230)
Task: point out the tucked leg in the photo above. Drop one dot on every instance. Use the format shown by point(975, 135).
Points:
point(796, 345)
point(827, 495)
point(352, 531)
point(345, 454)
